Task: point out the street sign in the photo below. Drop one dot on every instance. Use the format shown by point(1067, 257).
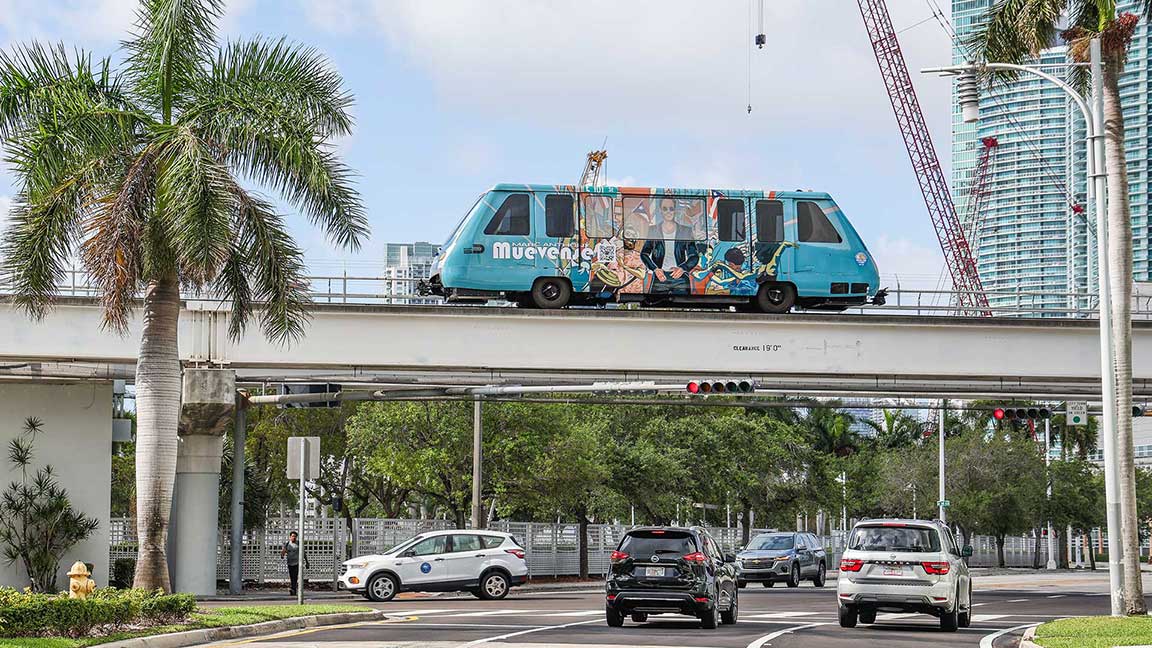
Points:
point(312, 460)
point(943, 503)
point(1077, 413)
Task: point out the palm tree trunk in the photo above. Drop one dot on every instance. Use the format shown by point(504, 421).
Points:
point(157, 415)
point(1120, 267)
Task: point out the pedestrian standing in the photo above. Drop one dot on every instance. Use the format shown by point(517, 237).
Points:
point(292, 554)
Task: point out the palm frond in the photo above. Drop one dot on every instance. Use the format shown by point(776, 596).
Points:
point(36, 247)
point(276, 81)
point(265, 267)
point(112, 250)
point(173, 40)
point(194, 205)
point(1016, 30)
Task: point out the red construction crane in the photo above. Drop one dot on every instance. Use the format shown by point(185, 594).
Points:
point(957, 255)
point(978, 190)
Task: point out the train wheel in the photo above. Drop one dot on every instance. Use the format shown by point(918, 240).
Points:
point(551, 292)
point(775, 297)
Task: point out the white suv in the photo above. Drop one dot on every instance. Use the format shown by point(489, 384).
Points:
point(485, 563)
point(904, 566)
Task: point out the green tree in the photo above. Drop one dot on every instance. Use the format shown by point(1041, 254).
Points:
point(1077, 497)
point(831, 431)
point(1015, 31)
point(899, 429)
point(138, 170)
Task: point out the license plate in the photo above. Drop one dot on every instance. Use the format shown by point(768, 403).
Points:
point(653, 571)
point(893, 571)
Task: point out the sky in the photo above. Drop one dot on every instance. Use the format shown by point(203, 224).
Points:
point(453, 96)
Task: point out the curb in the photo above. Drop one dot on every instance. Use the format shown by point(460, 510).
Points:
point(1026, 639)
point(210, 635)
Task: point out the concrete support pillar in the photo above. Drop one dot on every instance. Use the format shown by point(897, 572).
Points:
point(209, 400)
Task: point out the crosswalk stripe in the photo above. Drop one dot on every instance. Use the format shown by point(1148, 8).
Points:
point(1016, 601)
point(989, 617)
point(415, 612)
point(780, 615)
point(894, 616)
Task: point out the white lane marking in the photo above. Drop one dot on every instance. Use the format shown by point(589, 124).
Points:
point(486, 613)
point(988, 617)
point(781, 615)
point(416, 612)
point(529, 631)
point(573, 614)
point(1056, 596)
point(1016, 601)
point(763, 641)
point(978, 604)
point(989, 640)
point(895, 616)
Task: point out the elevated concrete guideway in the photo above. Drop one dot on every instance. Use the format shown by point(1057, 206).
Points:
point(814, 354)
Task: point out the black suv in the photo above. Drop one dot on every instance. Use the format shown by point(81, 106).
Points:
point(658, 570)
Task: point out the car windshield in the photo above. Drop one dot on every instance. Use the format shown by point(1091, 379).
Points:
point(771, 542)
point(894, 538)
point(644, 544)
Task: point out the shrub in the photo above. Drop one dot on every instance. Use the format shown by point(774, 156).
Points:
point(24, 614)
point(123, 571)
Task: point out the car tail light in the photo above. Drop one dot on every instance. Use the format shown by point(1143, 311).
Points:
point(695, 557)
point(618, 556)
point(611, 597)
point(519, 553)
point(701, 599)
point(851, 565)
point(936, 568)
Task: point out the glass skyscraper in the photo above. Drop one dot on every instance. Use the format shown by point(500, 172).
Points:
point(404, 264)
point(1030, 239)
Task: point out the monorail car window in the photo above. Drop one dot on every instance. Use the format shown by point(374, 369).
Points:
point(559, 217)
point(598, 216)
point(813, 224)
point(769, 221)
point(664, 217)
point(730, 219)
point(512, 217)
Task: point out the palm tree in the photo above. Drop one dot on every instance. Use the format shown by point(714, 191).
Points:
point(899, 429)
point(831, 431)
point(1015, 31)
point(139, 168)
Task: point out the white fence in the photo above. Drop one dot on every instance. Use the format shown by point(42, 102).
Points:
point(552, 549)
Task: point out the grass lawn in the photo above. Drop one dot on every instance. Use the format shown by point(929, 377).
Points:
point(215, 618)
point(1095, 632)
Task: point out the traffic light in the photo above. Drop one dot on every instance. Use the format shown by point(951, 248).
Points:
point(1021, 413)
point(720, 387)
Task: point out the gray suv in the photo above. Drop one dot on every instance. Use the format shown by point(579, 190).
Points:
point(782, 558)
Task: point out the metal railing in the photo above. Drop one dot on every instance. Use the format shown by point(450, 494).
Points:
point(551, 549)
point(382, 290)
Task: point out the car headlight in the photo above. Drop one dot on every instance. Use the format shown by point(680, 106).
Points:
point(356, 565)
point(782, 558)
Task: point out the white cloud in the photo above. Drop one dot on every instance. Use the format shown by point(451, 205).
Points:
point(908, 263)
point(5, 206)
point(650, 65)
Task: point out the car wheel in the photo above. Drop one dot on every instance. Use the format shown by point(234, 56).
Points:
point(769, 583)
point(964, 619)
point(551, 292)
point(494, 586)
point(381, 588)
point(732, 614)
point(794, 577)
point(848, 617)
point(821, 576)
point(710, 618)
point(949, 621)
point(867, 616)
point(775, 298)
point(639, 617)
point(614, 617)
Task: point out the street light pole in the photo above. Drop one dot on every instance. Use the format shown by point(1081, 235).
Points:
point(477, 463)
point(1098, 197)
point(940, 456)
point(1048, 493)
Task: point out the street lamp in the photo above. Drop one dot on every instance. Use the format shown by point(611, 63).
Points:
point(1098, 195)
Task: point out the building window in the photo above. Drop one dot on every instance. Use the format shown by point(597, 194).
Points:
point(730, 219)
point(559, 217)
point(769, 221)
point(813, 225)
point(512, 217)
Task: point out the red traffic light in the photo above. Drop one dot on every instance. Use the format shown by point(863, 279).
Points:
point(693, 387)
point(998, 414)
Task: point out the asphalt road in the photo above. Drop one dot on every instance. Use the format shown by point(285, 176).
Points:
point(776, 618)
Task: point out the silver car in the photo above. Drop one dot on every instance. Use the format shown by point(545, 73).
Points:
point(904, 566)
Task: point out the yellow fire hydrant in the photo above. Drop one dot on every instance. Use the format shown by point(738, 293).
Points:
point(80, 586)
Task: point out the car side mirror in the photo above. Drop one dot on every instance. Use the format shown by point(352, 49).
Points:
point(966, 552)
point(729, 558)
point(411, 553)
